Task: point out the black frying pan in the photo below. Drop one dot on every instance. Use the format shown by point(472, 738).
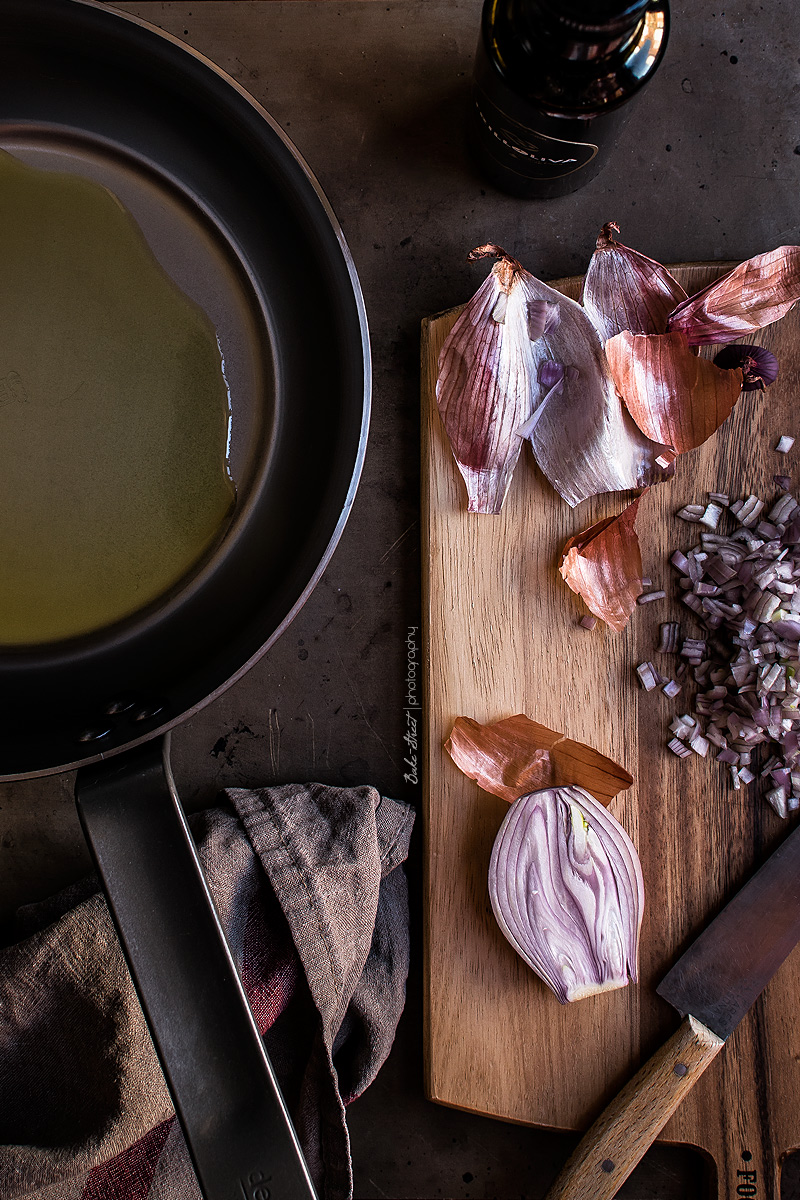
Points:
point(235, 217)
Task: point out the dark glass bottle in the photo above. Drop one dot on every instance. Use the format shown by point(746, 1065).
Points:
point(552, 83)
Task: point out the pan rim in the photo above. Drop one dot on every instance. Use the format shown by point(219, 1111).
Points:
point(320, 199)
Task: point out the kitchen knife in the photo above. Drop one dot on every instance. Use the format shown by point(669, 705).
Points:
point(712, 985)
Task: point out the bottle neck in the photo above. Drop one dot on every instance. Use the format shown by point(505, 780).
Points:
point(578, 30)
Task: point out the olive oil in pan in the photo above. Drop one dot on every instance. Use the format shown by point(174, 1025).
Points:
point(114, 414)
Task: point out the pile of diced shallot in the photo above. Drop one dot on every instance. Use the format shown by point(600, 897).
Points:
point(743, 586)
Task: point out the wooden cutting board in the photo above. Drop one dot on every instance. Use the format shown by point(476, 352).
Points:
point(502, 637)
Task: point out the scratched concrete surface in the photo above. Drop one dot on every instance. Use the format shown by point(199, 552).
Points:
point(373, 94)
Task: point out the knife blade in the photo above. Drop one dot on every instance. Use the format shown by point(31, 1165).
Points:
point(712, 985)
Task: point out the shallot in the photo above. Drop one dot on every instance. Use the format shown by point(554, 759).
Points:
point(673, 395)
point(566, 889)
point(517, 755)
point(758, 365)
point(744, 588)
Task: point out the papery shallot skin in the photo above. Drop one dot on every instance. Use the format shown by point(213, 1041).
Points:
point(582, 438)
point(757, 292)
point(624, 289)
point(603, 565)
point(672, 393)
point(566, 888)
point(516, 755)
point(489, 388)
point(484, 388)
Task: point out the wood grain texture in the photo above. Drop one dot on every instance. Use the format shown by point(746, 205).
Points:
point(622, 1133)
point(502, 637)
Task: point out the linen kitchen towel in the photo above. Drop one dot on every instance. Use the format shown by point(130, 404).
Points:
point(315, 909)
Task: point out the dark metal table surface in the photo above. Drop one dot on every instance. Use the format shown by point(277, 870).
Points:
point(373, 93)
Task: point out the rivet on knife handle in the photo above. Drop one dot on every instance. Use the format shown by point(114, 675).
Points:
point(630, 1124)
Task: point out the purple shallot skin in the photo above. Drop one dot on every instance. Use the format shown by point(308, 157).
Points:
point(759, 366)
point(489, 391)
point(626, 290)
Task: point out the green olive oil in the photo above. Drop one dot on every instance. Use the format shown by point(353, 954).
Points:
point(114, 414)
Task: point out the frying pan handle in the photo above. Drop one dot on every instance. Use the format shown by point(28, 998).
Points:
point(225, 1093)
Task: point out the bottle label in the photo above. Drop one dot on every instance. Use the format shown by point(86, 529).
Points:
point(533, 154)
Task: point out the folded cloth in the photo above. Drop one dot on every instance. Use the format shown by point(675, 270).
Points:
point(316, 914)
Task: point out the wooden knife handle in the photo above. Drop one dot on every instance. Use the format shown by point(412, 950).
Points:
point(609, 1151)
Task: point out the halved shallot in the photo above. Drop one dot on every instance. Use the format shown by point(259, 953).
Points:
point(673, 394)
point(757, 292)
point(604, 566)
point(566, 888)
point(624, 289)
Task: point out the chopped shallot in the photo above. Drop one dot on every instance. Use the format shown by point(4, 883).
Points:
point(743, 584)
point(711, 515)
point(785, 444)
